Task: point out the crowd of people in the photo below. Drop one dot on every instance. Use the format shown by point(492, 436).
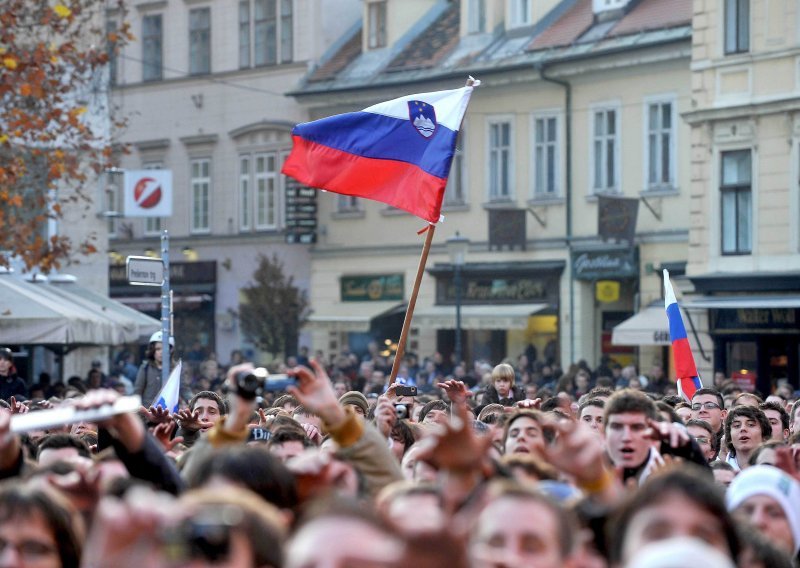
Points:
point(330, 463)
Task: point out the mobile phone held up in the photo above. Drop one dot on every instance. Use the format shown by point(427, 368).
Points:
point(404, 390)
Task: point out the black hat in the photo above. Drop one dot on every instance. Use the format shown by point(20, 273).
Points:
point(5, 353)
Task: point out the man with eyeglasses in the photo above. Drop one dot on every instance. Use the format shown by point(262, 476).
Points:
point(701, 431)
point(708, 406)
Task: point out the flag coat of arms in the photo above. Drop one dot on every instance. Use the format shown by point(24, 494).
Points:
point(688, 380)
point(398, 152)
point(169, 397)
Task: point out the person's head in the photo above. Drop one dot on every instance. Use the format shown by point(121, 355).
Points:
point(684, 411)
point(627, 429)
point(357, 401)
point(490, 411)
point(61, 447)
point(304, 416)
point(286, 402)
point(402, 438)
point(523, 432)
point(6, 362)
point(769, 500)
point(254, 530)
point(38, 527)
point(503, 377)
point(412, 507)
point(591, 411)
point(341, 534)
point(154, 347)
point(723, 472)
point(521, 527)
point(778, 420)
point(708, 405)
point(286, 443)
point(414, 469)
point(703, 434)
point(747, 399)
point(681, 502)
point(746, 428)
point(765, 454)
point(794, 417)
point(529, 468)
point(209, 405)
point(434, 412)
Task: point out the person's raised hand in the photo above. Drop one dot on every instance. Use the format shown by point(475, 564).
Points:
point(190, 421)
point(391, 392)
point(534, 404)
point(385, 417)
point(787, 458)
point(315, 392)
point(163, 434)
point(126, 427)
point(156, 414)
point(312, 433)
point(456, 391)
point(18, 407)
point(673, 434)
point(454, 446)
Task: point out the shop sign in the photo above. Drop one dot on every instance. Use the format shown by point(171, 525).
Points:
point(498, 290)
point(372, 288)
point(607, 291)
point(749, 319)
point(595, 265)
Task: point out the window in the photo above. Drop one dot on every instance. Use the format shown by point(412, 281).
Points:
point(660, 145)
point(347, 204)
point(737, 26)
point(201, 194)
point(113, 203)
point(152, 225)
point(266, 32)
point(152, 39)
point(454, 192)
point(476, 17)
point(266, 177)
point(736, 194)
point(520, 12)
point(244, 193)
point(111, 51)
point(244, 34)
point(376, 19)
point(499, 161)
point(604, 150)
point(200, 41)
point(545, 156)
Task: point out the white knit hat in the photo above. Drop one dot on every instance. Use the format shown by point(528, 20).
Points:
point(772, 482)
point(679, 552)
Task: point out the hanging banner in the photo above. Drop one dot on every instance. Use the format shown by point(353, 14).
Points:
point(147, 193)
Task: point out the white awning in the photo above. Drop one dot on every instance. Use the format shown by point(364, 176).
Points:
point(744, 302)
point(648, 327)
point(53, 314)
point(355, 317)
point(514, 316)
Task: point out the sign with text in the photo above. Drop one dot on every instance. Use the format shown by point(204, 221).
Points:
point(617, 218)
point(372, 288)
point(507, 228)
point(144, 271)
point(147, 193)
point(602, 264)
point(301, 213)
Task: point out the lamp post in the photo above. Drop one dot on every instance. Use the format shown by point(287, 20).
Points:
point(457, 249)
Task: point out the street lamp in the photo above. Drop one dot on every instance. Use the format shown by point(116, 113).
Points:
point(457, 247)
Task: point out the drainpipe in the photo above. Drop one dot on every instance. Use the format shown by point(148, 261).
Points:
point(542, 69)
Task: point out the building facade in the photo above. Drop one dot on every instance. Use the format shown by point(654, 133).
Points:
point(203, 85)
point(744, 261)
point(580, 101)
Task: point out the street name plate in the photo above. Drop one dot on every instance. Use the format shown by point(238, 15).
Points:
point(144, 271)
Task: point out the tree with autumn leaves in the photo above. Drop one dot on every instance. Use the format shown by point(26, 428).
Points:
point(55, 122)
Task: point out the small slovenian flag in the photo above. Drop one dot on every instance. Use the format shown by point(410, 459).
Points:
point(397, 152)
point(685, 369)
point(169, 397)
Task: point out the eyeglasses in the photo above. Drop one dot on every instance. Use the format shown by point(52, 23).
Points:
point(706, 405)
point(703, 440)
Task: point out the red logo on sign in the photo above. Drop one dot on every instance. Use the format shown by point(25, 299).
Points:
point(147, 193)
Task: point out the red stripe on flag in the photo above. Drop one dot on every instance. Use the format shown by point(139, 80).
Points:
point(684, 361)
point(395, 183)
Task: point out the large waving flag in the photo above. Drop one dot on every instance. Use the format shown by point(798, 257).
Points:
point(169, 397)
point(685, 369)
point(398, 152)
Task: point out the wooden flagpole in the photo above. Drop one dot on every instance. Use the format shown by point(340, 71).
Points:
point(401, 344)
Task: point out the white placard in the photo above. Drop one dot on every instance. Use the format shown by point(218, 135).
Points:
point(148, 193)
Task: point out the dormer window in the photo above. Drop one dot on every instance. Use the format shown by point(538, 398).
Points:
point(520, 13)
point(476, 16)
point(608, 7)
point(376, 22)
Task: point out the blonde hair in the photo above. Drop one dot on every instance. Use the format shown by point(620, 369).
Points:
point(504, 371)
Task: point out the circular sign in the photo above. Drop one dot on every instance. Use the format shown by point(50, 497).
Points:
point(147, 193)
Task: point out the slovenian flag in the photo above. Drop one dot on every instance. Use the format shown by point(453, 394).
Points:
point(685, 369)
point(169, 397)
point(398, 152)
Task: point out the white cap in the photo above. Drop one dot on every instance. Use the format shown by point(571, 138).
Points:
point(678, 552)
point(157, 337)
point(772, 482)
